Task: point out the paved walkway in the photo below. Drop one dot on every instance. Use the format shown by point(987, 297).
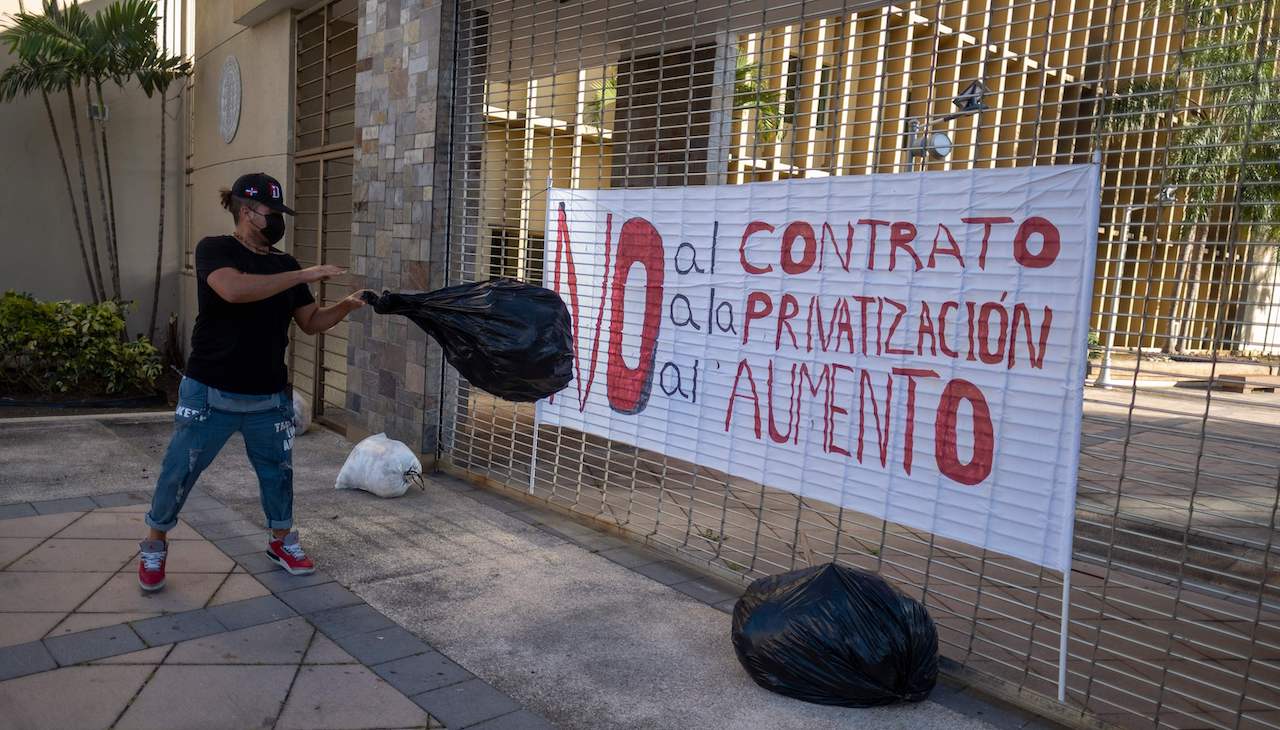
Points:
point(572, 625)
point(82, 647)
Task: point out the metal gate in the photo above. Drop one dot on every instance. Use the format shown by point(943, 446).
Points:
point(324, 127)
point(1175, 607)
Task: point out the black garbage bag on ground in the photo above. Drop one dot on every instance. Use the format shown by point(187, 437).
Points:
point(836, 636)
point(508, 338)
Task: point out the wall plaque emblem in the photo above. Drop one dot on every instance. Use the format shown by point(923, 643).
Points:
point(229, 100)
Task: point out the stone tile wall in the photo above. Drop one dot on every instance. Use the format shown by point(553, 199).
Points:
point(400, 197)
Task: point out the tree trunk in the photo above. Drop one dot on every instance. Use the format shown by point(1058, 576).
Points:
point(155, 292)
point(71, 197)
point(1178, 309)
point(113, 261)
point(1197, 270)
point(84, 192)
point(111, 199)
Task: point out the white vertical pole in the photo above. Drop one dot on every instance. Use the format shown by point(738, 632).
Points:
point(533, 460)
point(1062, 642)
point(546, 229)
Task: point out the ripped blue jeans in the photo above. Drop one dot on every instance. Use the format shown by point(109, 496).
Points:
point(206, 417)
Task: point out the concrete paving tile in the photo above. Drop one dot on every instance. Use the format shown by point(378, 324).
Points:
point(422, 673)
point(121, 499)
point(42, 702)
point(598, 542)
point(236, 528)
point(183, 531)
point(196, 556)
point(140, 508)
point(667, 572)
point(107, 525)
point(706, 590)
point(529, 517)
point(465, 704)
point(382, 645)
point(453, 485)
point(497, 501)
point(19, 628)
point(238, 587)
point(21, 509)
point(47, 591)
point(77, 622)
point(12, 548)
point(201, 517)
point(69, 504)
point(151, 656)
point(200, 503)
point(184, 592)
point(78, 556)
point(358, 619)
point(280, 642)
point(212, 698)
point(521, 720)
point(324, 651)
point(175, 627)
point(251, 612)
point(234, 546)
point(726, 606)
point(565, 527)
point(39, 526)
point(22, 659)
point(630, 557)
point(256, 561)
point(279, 580)
point(319, 598)
point(85, 646)
point(346, 698)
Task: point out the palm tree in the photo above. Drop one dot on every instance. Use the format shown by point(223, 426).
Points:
point(117, 43)
point(751, 92)
point(46, 45)
point(604, 94)
point(64, 48)
point(156, 73)
point(1220, 110)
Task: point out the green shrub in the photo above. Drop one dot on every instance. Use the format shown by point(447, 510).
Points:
point(65, 347)
point(1095, 344)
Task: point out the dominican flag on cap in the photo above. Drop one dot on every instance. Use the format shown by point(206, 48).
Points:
point(263, 188)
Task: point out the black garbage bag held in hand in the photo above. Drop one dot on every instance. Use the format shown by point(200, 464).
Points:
point(508, 338)
point(836, 636)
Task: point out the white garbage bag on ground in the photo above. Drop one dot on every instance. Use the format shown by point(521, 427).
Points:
point(380, 465)
point(301, 414)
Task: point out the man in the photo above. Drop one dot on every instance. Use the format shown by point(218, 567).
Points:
point(236, 378)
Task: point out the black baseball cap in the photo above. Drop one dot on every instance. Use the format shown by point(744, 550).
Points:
point(263, 188)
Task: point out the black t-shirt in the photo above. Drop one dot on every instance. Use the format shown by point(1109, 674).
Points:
point(240, 348)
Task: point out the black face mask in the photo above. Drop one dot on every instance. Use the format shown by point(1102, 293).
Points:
point(274, 230)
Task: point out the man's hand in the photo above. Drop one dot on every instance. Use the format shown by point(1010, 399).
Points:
point(354, 300)
point(312, 318)
point(320, 273)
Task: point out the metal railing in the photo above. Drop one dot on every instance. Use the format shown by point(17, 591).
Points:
point(1175, 612)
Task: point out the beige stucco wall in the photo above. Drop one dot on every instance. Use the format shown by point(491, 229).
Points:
point(263, 140)
point(39, 252)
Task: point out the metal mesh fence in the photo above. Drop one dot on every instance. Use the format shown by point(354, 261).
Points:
point(1174, 615)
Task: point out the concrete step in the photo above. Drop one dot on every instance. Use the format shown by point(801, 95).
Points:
point(1234, 565)
point(1236, 383)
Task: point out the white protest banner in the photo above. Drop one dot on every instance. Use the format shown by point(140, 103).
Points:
point(909, 346)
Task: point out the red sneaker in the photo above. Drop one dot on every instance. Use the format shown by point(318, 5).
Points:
point(151, 556)
point(287, 553)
